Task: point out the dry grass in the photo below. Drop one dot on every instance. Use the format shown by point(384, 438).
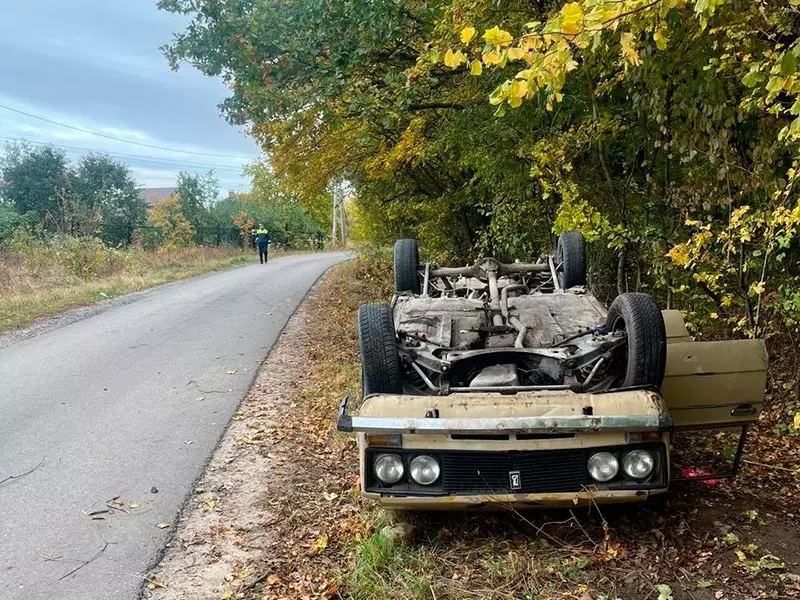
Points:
point(38, 280)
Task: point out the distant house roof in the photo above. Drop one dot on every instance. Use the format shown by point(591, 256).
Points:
point(154, 195)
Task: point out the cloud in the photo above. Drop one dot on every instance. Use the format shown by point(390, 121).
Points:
point(95, 65)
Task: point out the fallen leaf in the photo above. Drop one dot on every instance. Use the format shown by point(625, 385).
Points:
point(320, 544)
point(155, 583)
point(273, 579)
point(231, 371)
point(162, 525)
point(664, 592)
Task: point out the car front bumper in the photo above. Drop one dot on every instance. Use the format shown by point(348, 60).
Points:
point(495, 450)
point(515, 501)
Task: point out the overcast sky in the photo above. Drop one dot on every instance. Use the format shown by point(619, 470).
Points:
point(96, 65)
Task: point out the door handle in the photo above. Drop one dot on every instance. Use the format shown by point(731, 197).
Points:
point(743, 410)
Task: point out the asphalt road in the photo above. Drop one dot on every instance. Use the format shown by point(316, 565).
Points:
point(128, 403)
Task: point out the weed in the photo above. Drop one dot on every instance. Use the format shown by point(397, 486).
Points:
point(40, 278)
point(386, 570)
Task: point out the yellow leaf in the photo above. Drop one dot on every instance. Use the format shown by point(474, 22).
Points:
point(467, 34)
point(162, 525)
point(492, 58)
point(497, 36)
point(660, 38)
point(571, 18)
point(796, 421)
point(629, 52)
point(476, 68)
point(321, 544)
point(756, 289)
point(453, 59)
point(516, 53)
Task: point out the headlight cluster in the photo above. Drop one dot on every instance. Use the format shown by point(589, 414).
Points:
point(423, 469)
point(636, 464)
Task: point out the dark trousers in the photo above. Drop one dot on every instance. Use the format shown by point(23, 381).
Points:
point(263, 250)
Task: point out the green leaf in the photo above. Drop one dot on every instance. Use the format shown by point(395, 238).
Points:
point(704, 583)
point(775, 84)
point(732, 538)
point(664, 592)
point(788, 63)
point(751, 79)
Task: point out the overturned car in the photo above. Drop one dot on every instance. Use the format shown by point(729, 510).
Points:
point(510, 384)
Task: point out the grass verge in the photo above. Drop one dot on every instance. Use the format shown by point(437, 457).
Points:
point(44, 282)
point(734, 541)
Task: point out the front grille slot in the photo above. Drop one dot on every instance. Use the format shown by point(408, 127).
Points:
point(488, 472)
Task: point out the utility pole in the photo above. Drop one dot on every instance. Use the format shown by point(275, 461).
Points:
point(335, 208)
point(342, 220)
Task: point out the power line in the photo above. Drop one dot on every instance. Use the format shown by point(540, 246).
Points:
point(148, 159)
point(111, 137)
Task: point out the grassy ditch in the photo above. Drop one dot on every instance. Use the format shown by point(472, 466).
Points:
point(38, 280)
point(733, 541)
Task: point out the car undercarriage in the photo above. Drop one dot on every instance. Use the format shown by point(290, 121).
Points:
point(510, 327)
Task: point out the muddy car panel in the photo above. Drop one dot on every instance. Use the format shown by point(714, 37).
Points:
point(714, 384)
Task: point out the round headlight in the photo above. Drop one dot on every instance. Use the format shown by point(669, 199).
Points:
point(638, 464)
point(603, 466)
point(389, 468)
point(424, 469)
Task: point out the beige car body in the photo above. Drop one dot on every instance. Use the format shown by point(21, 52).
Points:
point(707, 385)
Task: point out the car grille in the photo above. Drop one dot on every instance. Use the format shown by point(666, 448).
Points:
point(467, 472)
point(488, 472)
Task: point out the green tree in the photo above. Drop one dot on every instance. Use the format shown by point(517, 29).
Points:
point(286, 217)
point(35, 179)
point(107, 189)
point(197, 194)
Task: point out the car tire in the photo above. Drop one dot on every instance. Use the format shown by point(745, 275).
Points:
point(571, 255)
point(377, 344)
point(406, 263)
point(646, 356)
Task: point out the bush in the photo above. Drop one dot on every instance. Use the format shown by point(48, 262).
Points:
point(88, 257)
point(11, 221)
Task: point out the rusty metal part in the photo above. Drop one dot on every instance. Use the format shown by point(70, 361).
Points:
point(502, 424)
point(554, 273)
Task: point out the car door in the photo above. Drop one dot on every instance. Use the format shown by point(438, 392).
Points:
point(712, 384)
point(713, 391)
